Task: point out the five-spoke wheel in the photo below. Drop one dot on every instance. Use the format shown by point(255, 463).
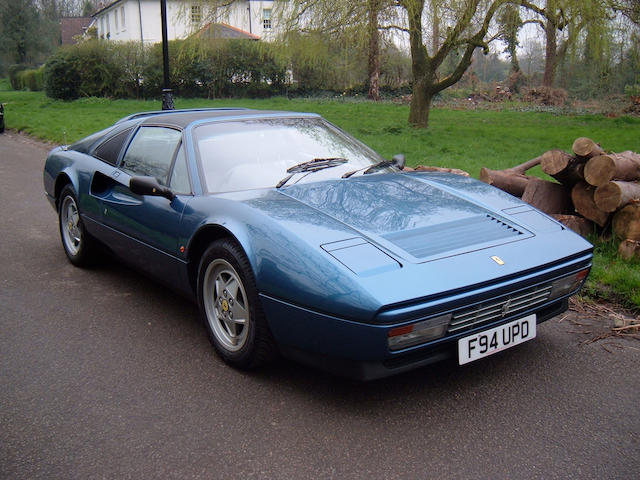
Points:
point(230, 306)
point(76, 241)
point(226, 304)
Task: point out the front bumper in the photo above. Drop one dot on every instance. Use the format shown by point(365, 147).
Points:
point(361, 350)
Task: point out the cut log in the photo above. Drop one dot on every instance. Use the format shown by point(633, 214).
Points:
point(613, 166)
point(547, 196)
point(509, 182)
point(555, 161)
point(629, 249)
point(586, 148)
point(512, 180)
point(565, 168)
point(626, 222)
point(582, 196)
point(614, 195)
point(426, 168)
point(580, 225)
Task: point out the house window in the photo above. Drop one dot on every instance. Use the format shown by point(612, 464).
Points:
point(266, 18)
point(108, 34)
point(122, 20)
point(115, 19)
point(102, 27)
point(196, 14)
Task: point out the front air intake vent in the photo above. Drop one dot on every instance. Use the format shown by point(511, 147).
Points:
point(451, 236)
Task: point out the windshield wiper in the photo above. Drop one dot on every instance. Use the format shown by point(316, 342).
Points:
point(311, 166)
point(397, 161)
point(369, 169)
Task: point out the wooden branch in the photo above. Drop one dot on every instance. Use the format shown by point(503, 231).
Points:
point(512, 180)
point(626, 222)
point(547, 196)
point(582, 196)
point(586, 148)
point(614, 195)
point(619, 166)
point(426, 168)
point(580, 225)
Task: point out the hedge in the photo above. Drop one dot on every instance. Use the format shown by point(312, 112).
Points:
point(206, 68)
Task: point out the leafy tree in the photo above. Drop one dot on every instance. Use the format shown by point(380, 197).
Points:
point(20, 35)
point(362, 20)
point(510, 24)
point(562, 22)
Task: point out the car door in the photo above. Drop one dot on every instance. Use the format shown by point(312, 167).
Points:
point(142, 229)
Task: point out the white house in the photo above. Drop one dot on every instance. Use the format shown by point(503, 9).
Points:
point(139, 20)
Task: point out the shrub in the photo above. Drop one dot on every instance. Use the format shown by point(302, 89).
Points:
point(14, 71)
point(31, 79)
point(61, 77)
point(218, 68)
point(88, 69)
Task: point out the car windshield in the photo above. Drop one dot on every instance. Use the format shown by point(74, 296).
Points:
point(256, 153)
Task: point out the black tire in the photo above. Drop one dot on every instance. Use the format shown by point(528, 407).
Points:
point(230, 307)
point(77, 243)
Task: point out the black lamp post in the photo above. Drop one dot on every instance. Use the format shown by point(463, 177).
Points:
point(167, 97)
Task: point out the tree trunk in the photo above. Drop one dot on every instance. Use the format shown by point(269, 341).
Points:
point(547, 196)
point(619, 166)
point(435, 27)
point(614, 195)
point(586, 148)
point(374, 50)
point(551, 54)
point(626, 222)
point(420, 106)
point(582, 196)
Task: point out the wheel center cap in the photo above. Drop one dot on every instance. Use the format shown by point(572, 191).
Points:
point(225, 306)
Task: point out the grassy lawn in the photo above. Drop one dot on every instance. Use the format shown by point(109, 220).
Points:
point(465, 139)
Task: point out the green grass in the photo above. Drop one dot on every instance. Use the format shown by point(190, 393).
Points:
point(612, 278)
point(465, 139)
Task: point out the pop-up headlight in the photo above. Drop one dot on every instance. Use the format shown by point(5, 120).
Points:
point(419, 332)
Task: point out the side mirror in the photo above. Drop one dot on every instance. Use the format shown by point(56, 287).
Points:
point(150, 186)
point(398, 160)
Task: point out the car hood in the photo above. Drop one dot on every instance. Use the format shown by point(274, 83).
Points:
point(410, 216)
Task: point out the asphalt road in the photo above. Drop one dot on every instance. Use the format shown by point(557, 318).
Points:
point(104, 374)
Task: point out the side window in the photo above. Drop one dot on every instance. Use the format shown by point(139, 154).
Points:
point(151, 152)
point(180, 175)
point(108, 151)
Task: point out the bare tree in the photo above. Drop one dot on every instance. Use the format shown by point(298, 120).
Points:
point(467, 29)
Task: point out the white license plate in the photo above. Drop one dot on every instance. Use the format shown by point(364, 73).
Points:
point(497, 339)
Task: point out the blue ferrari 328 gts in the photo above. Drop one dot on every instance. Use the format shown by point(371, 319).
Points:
point(295, 238)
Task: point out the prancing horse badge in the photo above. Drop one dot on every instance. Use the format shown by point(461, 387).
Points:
point(497, 259)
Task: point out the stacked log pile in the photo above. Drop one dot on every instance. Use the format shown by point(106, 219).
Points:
point(594, 190)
